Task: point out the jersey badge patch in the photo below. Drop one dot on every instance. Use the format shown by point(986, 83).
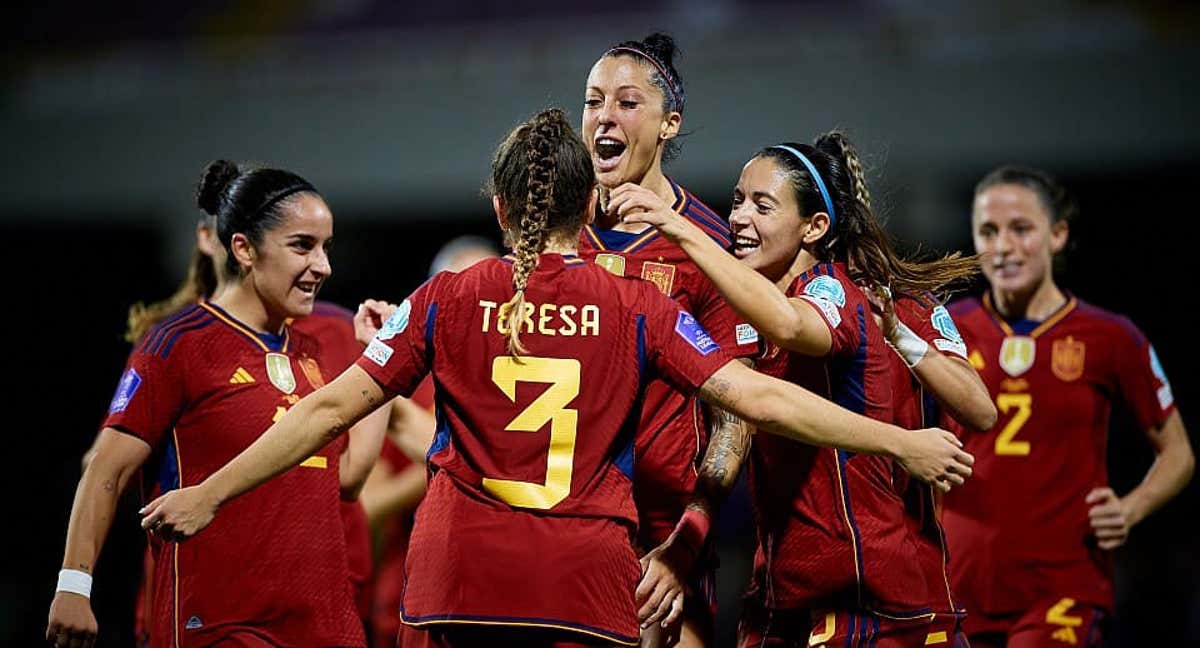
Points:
point(951, 340)
point(826, 287)
point(130, 381)
point(378, 352)
point(312, 371)
point(396, 324)
point(745, 334)
point(690, 330)
point(1017, 354)
point(1066, 358)
point(659, 274)
point(279, 370)
point(1165, 396)
point(614, 263)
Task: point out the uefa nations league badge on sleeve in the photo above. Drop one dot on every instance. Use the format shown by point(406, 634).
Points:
point(690, 330)
point(130, 381)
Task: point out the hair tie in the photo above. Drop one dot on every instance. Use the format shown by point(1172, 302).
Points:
point(812, 170)
point(661, 70)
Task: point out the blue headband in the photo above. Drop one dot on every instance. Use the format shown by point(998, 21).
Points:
point(812, 170)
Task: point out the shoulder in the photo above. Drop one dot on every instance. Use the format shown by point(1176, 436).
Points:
point(1111, 323)
point(829, 282)
point(964, 306)
point(704, 217)
point(180, 330)
point(325, 317)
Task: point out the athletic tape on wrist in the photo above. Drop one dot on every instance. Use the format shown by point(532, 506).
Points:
point(909, 345)
point(75, 581)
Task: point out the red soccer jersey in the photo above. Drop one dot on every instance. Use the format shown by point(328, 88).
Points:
point(673, 432)
point(529, 515)
point(1018, 529)
point(332, 327)
point(199, 389)
point(831, 526)
point(916, 409)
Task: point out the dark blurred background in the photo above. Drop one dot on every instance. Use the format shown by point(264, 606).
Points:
point(393, 109)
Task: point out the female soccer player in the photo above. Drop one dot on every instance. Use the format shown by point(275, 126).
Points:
point(1032, 536)
point(633, 109)
point(805, 242)
point(200, 387)
point(540, 361)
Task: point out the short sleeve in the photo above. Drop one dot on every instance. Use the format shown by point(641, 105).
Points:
point(827, 294)
point(150, 396)
point(728, 329)
point(934, 325)
point(677, 346)
point(1140, 377)
point(397, 358)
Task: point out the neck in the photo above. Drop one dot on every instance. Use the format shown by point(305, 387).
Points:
point(803, 262)
point(655, 181)
point(1037, 304)
point(241, 300)
point(562, 245)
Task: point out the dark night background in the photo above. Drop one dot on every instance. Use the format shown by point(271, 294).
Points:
point(394, 111)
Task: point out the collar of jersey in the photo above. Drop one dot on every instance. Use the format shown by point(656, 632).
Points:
point(1031, 328)
point(568, 260)
point(593, 235)
point(267, 342)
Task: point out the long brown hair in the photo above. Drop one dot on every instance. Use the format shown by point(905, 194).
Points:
point(543, 176)
point(856, 237)
point(201, 281)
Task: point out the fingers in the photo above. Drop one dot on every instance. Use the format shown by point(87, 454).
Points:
point(664, 607)
point(653, 600)
point(1099, 495)
point(676, 610)
point(951, 438)
point(647, 584)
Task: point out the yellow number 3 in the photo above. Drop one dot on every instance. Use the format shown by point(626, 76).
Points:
point(563, 376)
point(1004, 443)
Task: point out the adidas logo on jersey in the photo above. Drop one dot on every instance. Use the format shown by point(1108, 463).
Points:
point(241, 377)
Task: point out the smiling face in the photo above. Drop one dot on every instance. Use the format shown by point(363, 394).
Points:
point(624, 124)
point(1015, 238)
point(767, 226)
point(291, 261)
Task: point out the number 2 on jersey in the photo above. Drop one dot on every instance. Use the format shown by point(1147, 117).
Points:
point(1023, 403)
point(562, 374)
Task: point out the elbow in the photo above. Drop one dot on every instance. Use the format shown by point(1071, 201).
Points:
point(985, 416)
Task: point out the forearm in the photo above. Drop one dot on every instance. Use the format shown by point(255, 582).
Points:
point(394, 495)
point(365, 440)
point(411, 428)
point(958, 388)
point(752, 295)
point(728, 447)
point(95, 503)
point(1172, 470)
point(308, 426)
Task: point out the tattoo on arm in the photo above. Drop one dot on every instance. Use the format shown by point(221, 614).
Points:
point(109, 485)
point(722, 461)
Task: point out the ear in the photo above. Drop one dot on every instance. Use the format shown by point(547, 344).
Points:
point(243, 251)
point(669, 128)
point(501, 217)
point(818, 226)
point(1060, 232)
point(206, 239)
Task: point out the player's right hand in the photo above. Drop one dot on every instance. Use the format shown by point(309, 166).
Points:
point(72, 623)
point(370, 317)
point(661, 589)
point(935, 456)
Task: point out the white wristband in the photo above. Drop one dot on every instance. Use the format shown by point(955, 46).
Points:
point(75, 581)
point(909, 345)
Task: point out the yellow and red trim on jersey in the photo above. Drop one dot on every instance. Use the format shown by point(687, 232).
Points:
point(1058, 316)
point(246, 331)
point(681, 200)
point(467, 620)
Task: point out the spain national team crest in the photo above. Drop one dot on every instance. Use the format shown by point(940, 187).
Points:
point(660, 274)
point(312, 371)
point(1067, 358)
point(614, 263)
point(1017, 354)
point(279, 369)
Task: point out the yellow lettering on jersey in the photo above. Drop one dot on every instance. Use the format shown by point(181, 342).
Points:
point(591, 320)
point(544, 319)
point(976, 360)
point(1065, 635)
point(1005, 446)
point(819, 638)
point(1018, 385)
point(566, 314)
point(935, 638)
point(488, 307)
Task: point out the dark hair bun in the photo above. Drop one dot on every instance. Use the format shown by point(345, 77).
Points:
point(217, 176)
point(661, 47)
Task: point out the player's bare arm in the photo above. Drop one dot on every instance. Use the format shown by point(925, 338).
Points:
point(116, 458)
point(791, 323)
point(932, 455)
point(1113, 517)
point(313, 422)
point(364, 442)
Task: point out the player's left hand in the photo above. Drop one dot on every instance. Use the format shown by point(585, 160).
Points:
point(1109, 518)
point(369, 318)
point(637, 204)
point(661, 588)
point(179, 514)
point(884, 307)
